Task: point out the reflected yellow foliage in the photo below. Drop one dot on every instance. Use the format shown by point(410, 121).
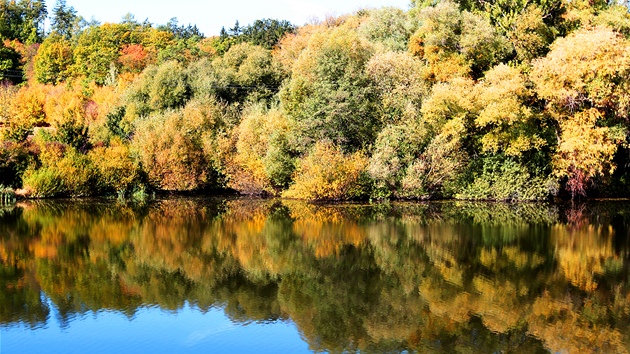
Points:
point(498, 304)
point(325, 229)
point(583, 253)
point(563, 330)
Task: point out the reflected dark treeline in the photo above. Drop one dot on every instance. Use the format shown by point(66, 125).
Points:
point(435, 277)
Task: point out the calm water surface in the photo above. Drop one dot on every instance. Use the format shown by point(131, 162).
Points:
point(270, 276)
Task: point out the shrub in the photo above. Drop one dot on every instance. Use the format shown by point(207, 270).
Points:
point(326, 173)
point(170, 148)
point(117, 171)
point(44, 182)
point(77, 174)
point(63, 172)
point(501, 178)
point(263, 162)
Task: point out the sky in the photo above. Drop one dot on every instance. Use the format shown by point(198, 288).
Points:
point(210, 16)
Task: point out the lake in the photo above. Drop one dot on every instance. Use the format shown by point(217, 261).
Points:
point(268, 276)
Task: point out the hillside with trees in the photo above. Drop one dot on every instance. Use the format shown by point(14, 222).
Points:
point(490, 100)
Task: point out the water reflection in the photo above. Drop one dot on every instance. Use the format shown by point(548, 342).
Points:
point(436, 277)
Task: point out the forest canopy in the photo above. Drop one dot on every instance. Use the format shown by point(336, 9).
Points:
point(499, 100)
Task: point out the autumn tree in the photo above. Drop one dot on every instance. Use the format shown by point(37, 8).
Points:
point(588, 105)
point(54, 61)
point(456, 43)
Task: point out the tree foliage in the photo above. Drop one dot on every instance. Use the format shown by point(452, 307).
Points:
point(330, 95)
point(265, 33)
point(22, 20)
point(63, 19)
point(584, 80)
point(456, 42)
point(53, 63)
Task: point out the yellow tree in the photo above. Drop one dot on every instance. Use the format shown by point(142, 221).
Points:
point(585, 81)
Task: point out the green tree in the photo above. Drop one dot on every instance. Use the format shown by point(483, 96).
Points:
point(330, 95)
point(63, 19)
point(392, 27)
point(181, 32)
point(245, 72)
point(157, 89)
point(22, 20)
point(266, 32)
point(97, 49)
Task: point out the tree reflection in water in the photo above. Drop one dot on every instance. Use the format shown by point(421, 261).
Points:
point(429, 277)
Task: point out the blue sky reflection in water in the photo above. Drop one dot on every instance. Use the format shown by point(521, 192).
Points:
point(153, 330)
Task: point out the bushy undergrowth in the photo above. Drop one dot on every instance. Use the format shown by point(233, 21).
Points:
point(503, 179)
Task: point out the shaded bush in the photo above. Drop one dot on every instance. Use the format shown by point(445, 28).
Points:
point(44, 182)
point(438, 166)
point(14, 159)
